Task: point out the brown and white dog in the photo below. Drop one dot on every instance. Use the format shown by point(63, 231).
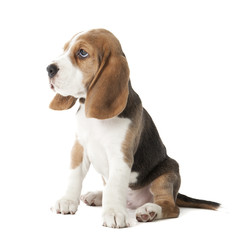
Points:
point(115, 134)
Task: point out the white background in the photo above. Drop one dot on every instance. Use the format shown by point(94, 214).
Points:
point(184, 60)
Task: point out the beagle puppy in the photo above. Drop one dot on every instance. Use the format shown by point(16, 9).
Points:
point(115, 134)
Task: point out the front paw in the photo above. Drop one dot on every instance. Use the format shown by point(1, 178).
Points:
point(115, 218)
point(66, 206)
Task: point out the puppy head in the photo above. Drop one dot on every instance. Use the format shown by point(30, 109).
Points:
point(92, 66)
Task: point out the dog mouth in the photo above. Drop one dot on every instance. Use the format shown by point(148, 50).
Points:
point(52, 87)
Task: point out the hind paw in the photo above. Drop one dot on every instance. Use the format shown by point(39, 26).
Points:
point(148, 212)
point(92, 198)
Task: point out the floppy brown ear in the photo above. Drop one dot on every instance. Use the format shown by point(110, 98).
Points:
point(108, 93)
point(60, 102)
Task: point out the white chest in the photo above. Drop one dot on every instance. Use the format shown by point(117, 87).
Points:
point(101, 137)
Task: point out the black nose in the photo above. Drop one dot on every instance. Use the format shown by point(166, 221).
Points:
point(52, 70)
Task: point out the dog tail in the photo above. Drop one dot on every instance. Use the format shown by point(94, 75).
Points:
point(185, 201)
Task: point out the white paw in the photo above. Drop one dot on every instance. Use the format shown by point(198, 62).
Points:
point(115, 218)
point(66, 206)
point(148, 212)
point(92, 198)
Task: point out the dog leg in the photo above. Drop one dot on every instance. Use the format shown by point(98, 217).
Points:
point(68, 204)
point(164, 190)
point(115, 195)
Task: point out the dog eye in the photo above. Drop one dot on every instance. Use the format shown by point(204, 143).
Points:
point(82, 53)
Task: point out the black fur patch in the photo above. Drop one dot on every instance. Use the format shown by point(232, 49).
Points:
point(150, 158)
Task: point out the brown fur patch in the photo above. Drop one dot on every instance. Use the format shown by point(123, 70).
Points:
point(60, 102)
point(164, 190)
point(76, 155)
point(128, 144)
point(133, 111)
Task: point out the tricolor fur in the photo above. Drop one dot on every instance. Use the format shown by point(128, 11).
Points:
point(115, 134)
